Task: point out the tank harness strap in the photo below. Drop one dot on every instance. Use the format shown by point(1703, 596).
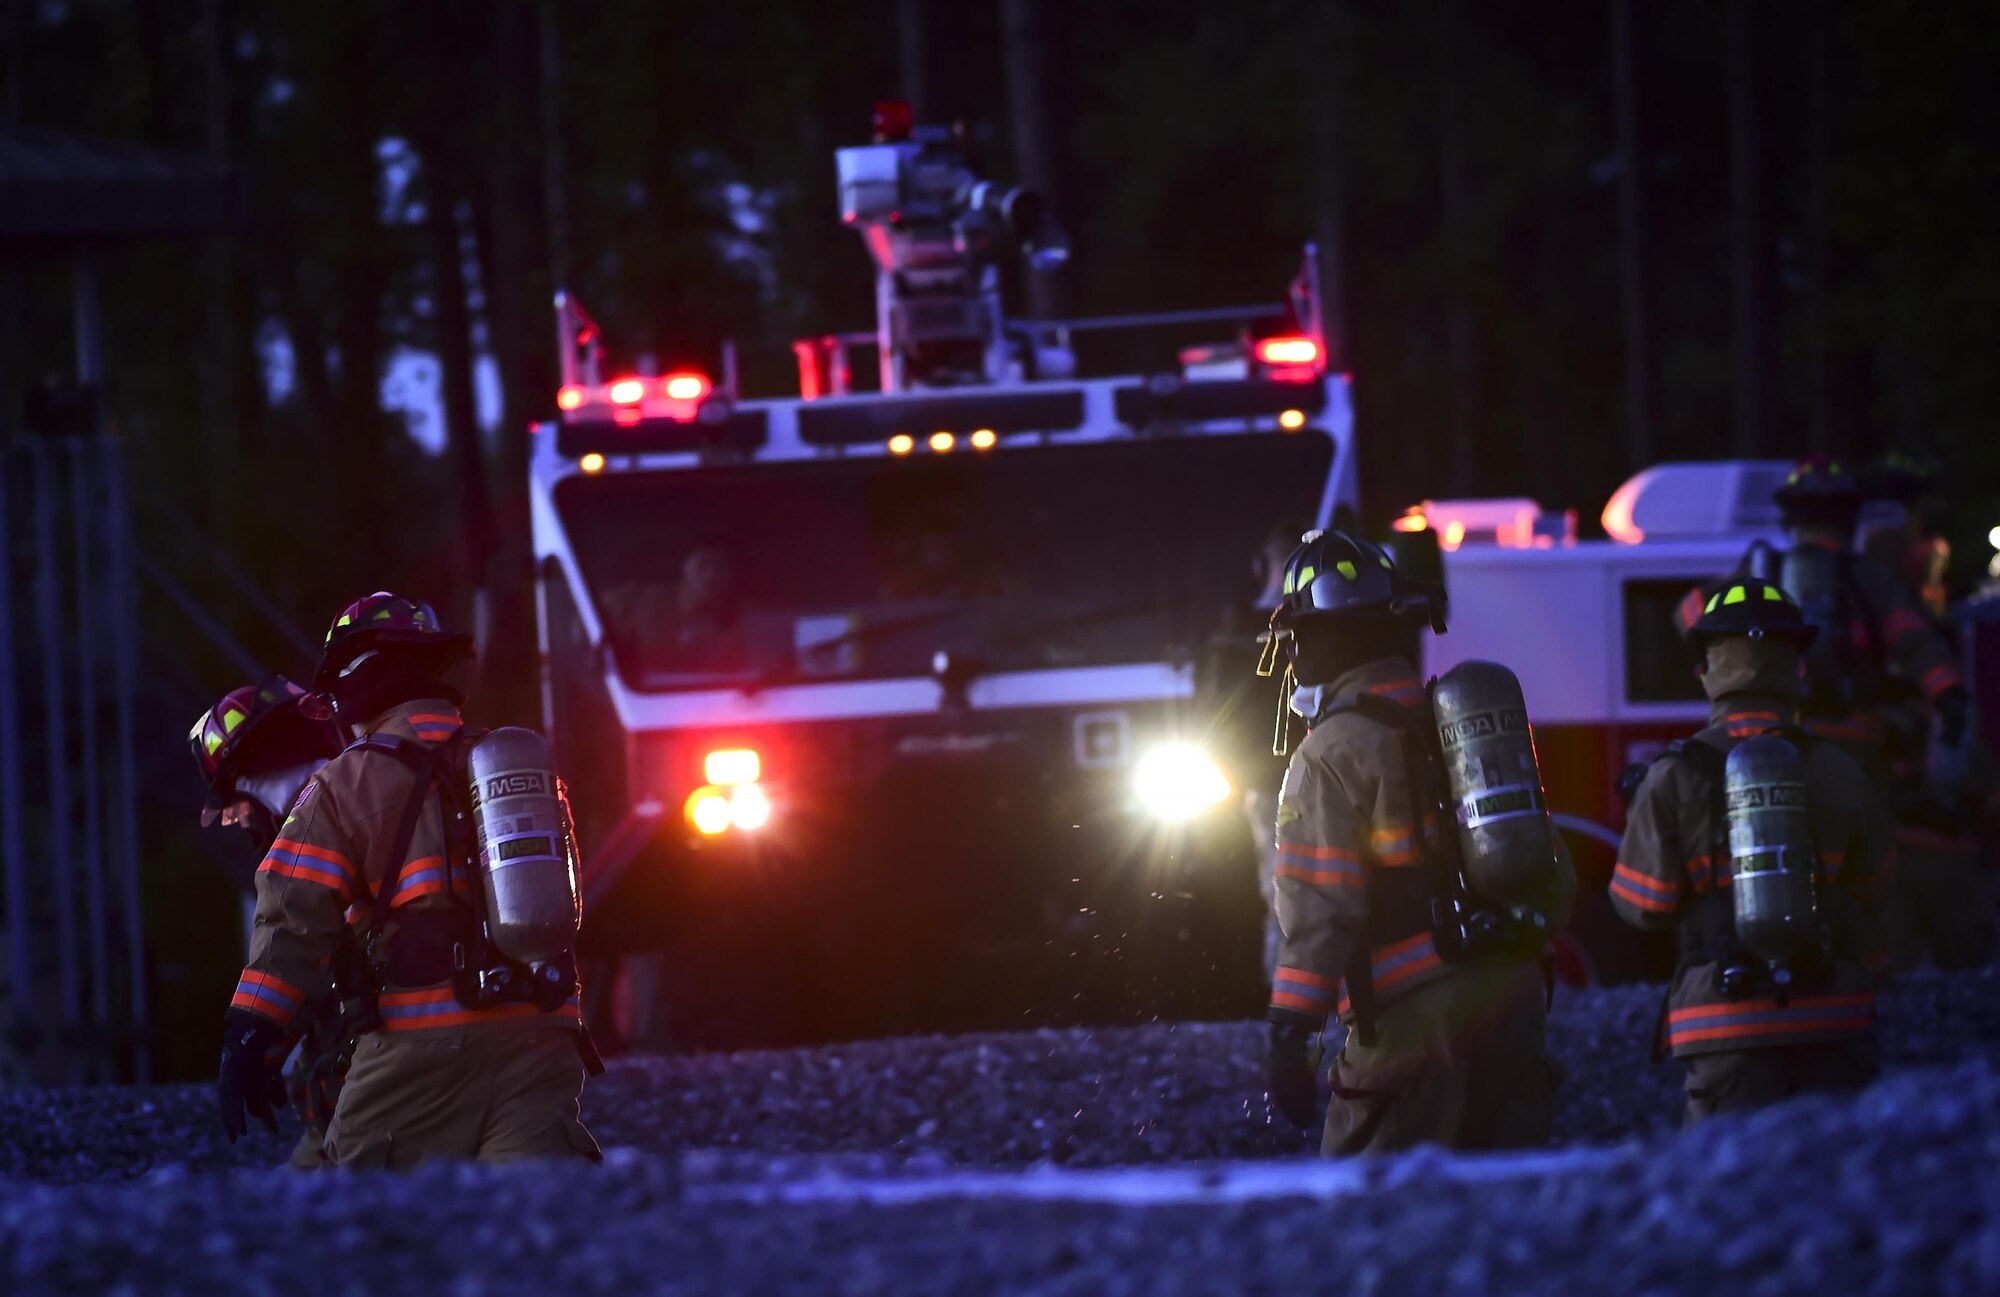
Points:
point(1700, 944)
point(1710, 931)
point(422, 763)
point(1360, 972)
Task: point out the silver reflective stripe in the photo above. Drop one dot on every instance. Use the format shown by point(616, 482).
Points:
point(1470, 815)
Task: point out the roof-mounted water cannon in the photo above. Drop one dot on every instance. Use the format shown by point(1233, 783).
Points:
point(938, 233)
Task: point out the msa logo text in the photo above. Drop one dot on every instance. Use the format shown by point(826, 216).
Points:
point(1477, 726)
point(517, 783)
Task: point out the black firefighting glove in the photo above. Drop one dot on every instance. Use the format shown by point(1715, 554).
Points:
point(1290, 1076)
point(247, 1085)
point(1954, 711)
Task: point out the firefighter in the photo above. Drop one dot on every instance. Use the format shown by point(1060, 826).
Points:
point(1915, 549)
point(1445, 1039)
point(372, 829)
point(255, 751)
point(1883, 683)
point(1752, 1031)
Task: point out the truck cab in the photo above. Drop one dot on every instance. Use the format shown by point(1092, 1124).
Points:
point(927, 705)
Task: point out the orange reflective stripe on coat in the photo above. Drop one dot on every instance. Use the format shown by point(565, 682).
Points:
point(1398, 966)
point(1332, 865)
point(1757, 1021)
point(309, 864)
point(1303, 992)
point(1941, 679)
point(1395, 846)
point(1744, 725)
point(1409, 692)
point(436, 727)
point(1645, 891)
point(437, 1007)
point(267, 995)
point(1900, 625)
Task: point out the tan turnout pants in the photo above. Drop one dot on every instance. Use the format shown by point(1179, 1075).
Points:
point(1459, 1062)
point(1744, 1079)
point(496, 1092)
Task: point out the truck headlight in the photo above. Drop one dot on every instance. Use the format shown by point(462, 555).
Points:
point(1177, 781)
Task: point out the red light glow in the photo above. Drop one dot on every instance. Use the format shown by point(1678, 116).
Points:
point(626, 418)
point(685, 387)
point(893, 120)
point(626, 391)
point(1288, 351)
point(569, 398)
point(1413, 520)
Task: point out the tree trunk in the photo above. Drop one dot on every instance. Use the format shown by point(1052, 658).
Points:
point(1747, 322)
point(1021, 36)
point(1329, 191)
point(1460, 326)
point(1820, 128)
point(913, 48)
point(555, 200)
point(454, 344)
point(1633, 295)
point(222, 418)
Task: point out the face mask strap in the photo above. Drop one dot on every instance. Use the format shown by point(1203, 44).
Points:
point(1281, 734)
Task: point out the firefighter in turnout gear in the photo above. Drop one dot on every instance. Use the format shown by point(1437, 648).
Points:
point(255, 751)
point(378, 843)
point(1884, 684)
point(1766, 850)
point(1439, 987)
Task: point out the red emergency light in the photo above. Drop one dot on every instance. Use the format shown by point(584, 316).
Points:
point(625, 391)
point(684, 386)
point(892, 121)
point(571, 397)
point(1288, 352)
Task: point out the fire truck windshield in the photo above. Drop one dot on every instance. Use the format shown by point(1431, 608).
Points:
point(1024, 558)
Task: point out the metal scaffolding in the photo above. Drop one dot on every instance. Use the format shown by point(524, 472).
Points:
point(75, 930)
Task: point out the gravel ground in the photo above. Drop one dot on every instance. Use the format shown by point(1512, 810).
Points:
point(1893, 1193)
point(112, 1189)
point(1120, 1096)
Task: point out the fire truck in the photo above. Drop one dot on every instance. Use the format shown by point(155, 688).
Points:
point(923, 702)
point(1588, 627)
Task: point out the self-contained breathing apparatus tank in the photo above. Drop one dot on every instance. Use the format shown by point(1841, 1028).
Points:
point(1512, 890)
point(1504, 834)
point(527, 863)
point(1774, 869)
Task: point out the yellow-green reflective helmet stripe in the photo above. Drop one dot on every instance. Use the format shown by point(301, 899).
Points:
point(1346, 569)
point(1737, 594)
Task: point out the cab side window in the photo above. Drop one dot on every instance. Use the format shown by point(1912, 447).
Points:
point(1659, 664)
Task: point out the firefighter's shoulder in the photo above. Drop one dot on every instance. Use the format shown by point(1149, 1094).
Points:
point(370, 776)
point(1676, 776)
point(1353, 750)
